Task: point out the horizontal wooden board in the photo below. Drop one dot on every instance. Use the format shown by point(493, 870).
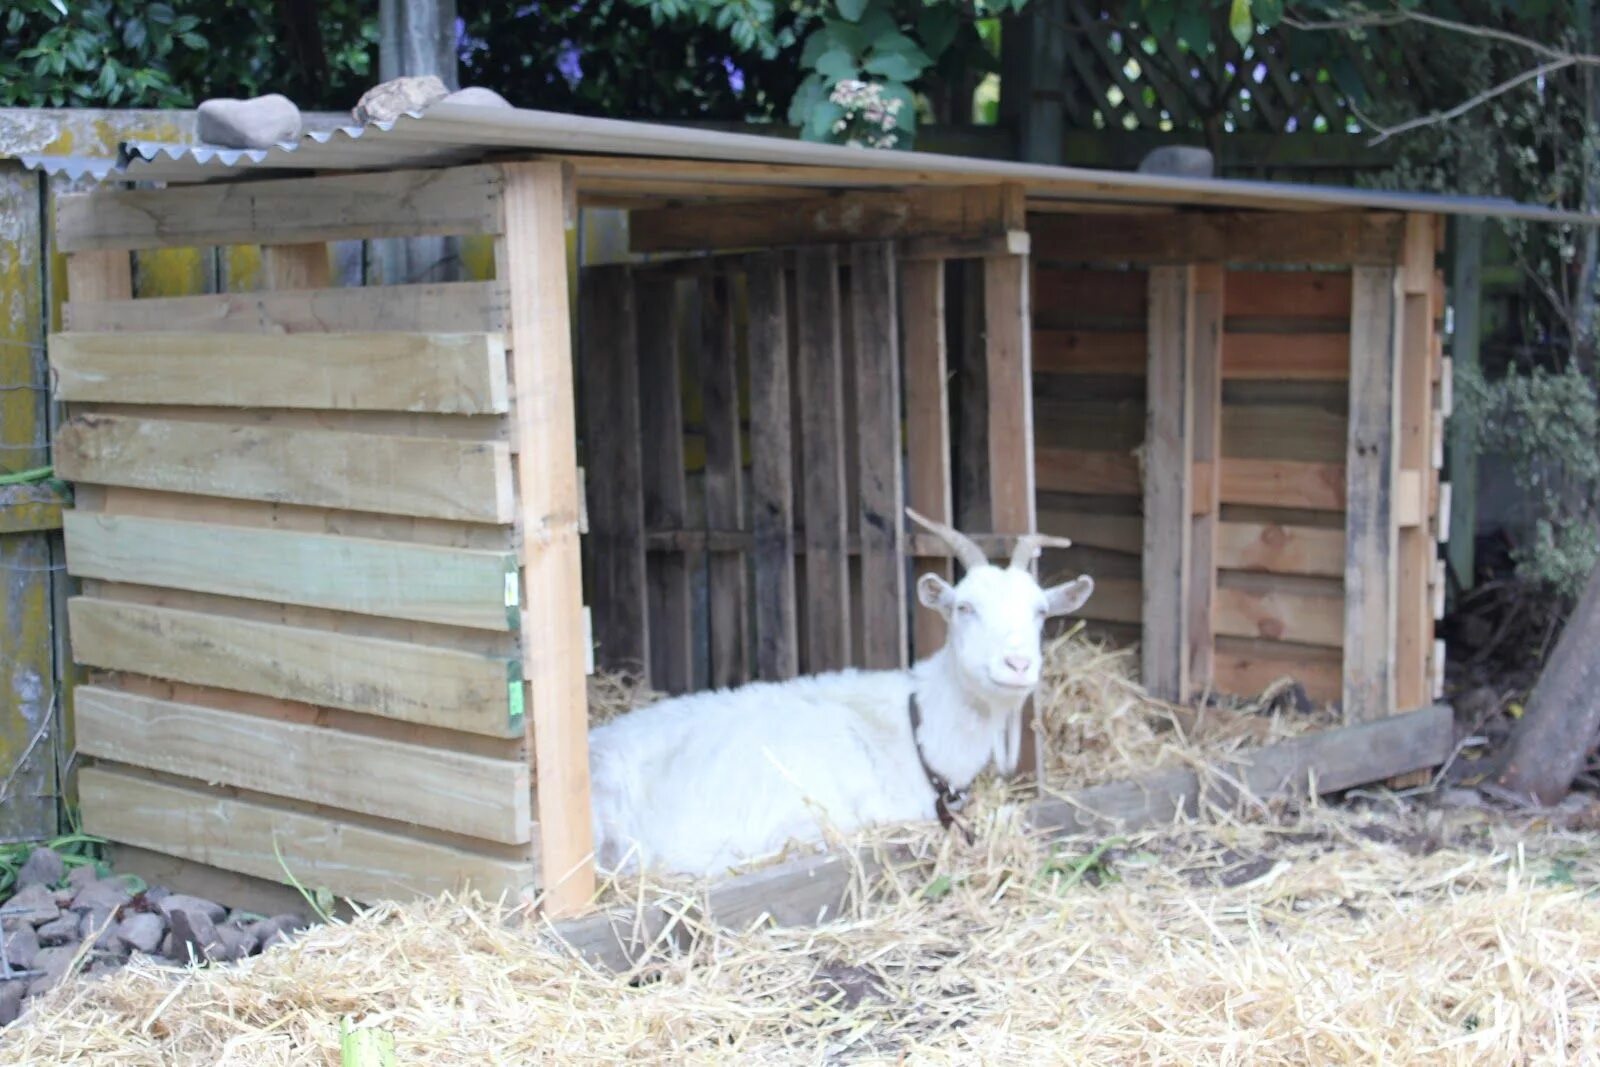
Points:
point(453, 374)
point(400, 680)
point(1059, 295)
point(249, 836)
point(466, 794)
point(1283, 484)
point(1070, 471)
point(458, 587)
point(1089, 352)
point(1280, 549)
point(429, 477)
point(1089, 425)
point(31, 508)
point(1280, 613)
point(1245, 668)
point(396, 203)
point(1287, 294)
point(1120, 533)
point(1245, 356)
point(1113, 600)
point(1294, 432)
point(1333, 237)
point(448, 307)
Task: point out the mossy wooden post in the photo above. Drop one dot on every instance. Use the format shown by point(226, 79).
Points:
point(531, 260)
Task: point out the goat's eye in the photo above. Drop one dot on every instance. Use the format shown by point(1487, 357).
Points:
point(966, 609)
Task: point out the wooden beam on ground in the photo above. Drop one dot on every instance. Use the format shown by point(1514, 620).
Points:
point(772, 469)
point(1205, 395)
point(1372, 467)
point(958, 211)
point(1168, 489)
point(1334, 238)
point(532, 261)
point(928, 484)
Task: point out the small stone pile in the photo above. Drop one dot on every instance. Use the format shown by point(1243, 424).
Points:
point(58, 922)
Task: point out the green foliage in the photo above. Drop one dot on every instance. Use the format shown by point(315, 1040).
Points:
point(76, 850)
point(99, 52)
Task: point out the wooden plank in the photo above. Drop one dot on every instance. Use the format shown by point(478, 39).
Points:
point(281, 211)
point(1278, 294)
point(1246, 668)
point(532, 260)
point(1089, 352)
point(31, 508)
point(827, 613)
point(425, 476)
point(1168, 456)
point(1302, 357)
point(875, 313)
point(1120, 533)
point(1102, 295)
point(969, 416)
point(454, 307)
point(454, 374)
point(771, 470)
point(1069, 471)
point(297, 266)
point(954, 211)
point(401, 680)
point(928, 474)
point(459, 587)
point(1275, 611)
point(1415, 445)
point(618, 596)
point(1370, 531)
point(249, 835)
point(1327, 238)
point(724, 481)
point(434, 787)
point(665, 495)
point(1011, 243)
point(1279, 549)
point(1283, 484)
point(1205, 397)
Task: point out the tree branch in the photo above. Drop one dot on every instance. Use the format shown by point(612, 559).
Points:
point(1386, 132)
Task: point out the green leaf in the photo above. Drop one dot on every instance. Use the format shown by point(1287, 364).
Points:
point(1267, 12)
point(938, 888)
point(850, 37)
point(895, 66)
point(1194, 30)
point(836, 65)
point(937, 26)
point(818, 42)
point(812, 91)
point(61, 6)
point(851, 9)
point(1240, 22)
point(818, 125)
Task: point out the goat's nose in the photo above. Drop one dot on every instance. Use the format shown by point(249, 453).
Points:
point(1020, 664)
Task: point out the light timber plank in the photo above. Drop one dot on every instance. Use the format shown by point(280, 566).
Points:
point(1277, 612)
point(1415, 444)
point(297, 266)
point(1205, 395)
point(827, 612)
point(239, 834)
point(1280, 549)
point(665, 493)
point(1120, 533)
point(458, 587)
point(876, 314)
point(1247, 667)
point(532, 258)
point(1283, 484)
point(1372, 467)
point(472, 795)
point(928, 474)
point(280, 211)
point(400, 680)
point(1300, 357)
point(772, 470)
point(1168, 458)
point(452, 307)
point(456, 374)
point(1278, 294)
point(423, 476)
point(1327, 238)
point(724, 481)
point(614, 485)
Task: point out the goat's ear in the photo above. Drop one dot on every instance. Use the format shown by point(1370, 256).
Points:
point(935, 593)
point(1069, 597)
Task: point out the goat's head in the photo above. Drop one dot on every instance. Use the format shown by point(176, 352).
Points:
point(996, 615)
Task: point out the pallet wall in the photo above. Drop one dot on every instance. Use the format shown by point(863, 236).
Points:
point(314, 567)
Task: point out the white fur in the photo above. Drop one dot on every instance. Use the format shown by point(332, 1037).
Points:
point(703, 782)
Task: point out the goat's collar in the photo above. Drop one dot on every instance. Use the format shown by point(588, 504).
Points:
point(947, 801)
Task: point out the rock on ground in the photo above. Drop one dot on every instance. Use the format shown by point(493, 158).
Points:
point(391, 99)
point(142, 932)
point(43, 867)
point(59, 931)
point(54, 962)
point(276, 930)
point(34, 904)
point(11, 994)
point(194, 936)
point(259, 122)
point(1179, 161)
point(183, 902)
point(22, 947)
point(79, 877)
point(106, 894)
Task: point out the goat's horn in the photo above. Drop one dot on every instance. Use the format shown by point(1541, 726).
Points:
point(964, 547)
point(1027, 548)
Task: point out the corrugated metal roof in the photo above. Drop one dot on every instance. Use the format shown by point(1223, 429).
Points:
point(451, 133)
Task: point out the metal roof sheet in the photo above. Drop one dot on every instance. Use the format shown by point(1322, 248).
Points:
point(450, 133)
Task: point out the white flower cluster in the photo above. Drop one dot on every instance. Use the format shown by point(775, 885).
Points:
point(870, 119)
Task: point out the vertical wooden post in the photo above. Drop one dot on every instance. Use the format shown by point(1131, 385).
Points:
point(1371, 474)
point(772, 469)
point(666, 504)
point(879, 462)
point(1206, 397)
point(1466, 292)
point(1168, 487)
point(532, 261)
point(613, 472)
point(1416, 545)
point(723, 481)
point(1008, 367)
point(827, 614)
point(928, 490)
point(971, 417)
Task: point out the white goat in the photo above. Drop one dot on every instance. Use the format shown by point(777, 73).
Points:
point(703, 782)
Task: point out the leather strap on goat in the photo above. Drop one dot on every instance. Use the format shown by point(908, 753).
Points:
point(946, 800)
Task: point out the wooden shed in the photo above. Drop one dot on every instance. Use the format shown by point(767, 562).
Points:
point(332, 542)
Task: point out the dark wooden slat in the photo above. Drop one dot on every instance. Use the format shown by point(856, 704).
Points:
point(971, 403)
point(1206, 393)
point(822, 429)
point(875, 314)
point(614, 478)
point(928, 487)
point(724, 476)
point(771, 470)
point(665, 497)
